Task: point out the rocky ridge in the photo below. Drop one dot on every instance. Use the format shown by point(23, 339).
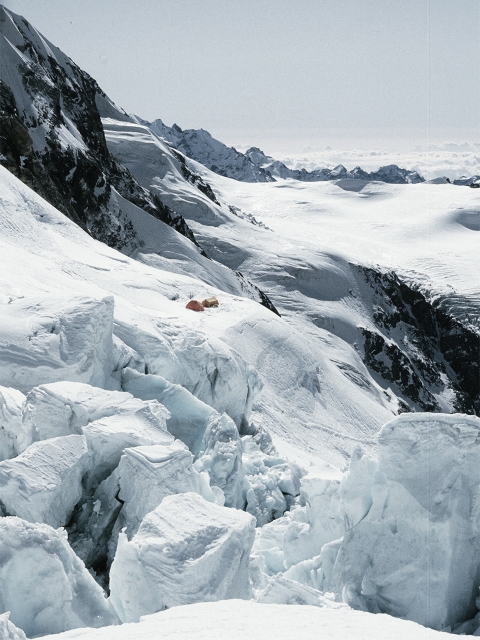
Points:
point(255, 166)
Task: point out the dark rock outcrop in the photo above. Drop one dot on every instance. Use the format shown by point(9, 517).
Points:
point(420, 347)
point(52, 138)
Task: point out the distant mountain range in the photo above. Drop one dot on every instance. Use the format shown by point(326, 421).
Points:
point(255, 166)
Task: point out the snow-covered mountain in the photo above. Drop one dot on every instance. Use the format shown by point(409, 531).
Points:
point(168, 458)
point(255, 166)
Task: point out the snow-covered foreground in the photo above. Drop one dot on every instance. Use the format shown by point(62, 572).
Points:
point(237, 620)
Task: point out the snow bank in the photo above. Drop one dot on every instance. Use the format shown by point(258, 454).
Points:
point(146, 475)
point(281, 590)
point(43, 584)
point(11, 430)
point(56, 337)
point(187, 550)
point(43, 483)
point(240, 619)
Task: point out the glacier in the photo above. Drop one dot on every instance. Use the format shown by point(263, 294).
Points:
point(312, 440)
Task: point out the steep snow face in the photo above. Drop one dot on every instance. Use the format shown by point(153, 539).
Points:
point(199, 145)
point(186, 550)
point(43, 584)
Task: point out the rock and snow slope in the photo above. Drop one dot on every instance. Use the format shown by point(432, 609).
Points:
point(143, 427)
point(254, 165)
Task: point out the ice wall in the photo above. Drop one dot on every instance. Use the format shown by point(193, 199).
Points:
point(186, 550)
point(43, 584)
point(56, 338)
point(397, 535)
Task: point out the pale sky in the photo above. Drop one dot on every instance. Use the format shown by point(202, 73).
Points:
point(308, 72)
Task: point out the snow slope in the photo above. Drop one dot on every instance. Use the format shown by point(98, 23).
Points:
point(354, 302)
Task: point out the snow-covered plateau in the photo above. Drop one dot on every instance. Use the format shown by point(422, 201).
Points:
point(300, 459)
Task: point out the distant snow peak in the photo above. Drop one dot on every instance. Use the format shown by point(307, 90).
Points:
point(255, 166)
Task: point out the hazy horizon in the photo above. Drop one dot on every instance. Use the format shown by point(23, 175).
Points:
point(378, 73)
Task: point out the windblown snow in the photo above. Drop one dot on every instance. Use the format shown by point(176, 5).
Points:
point(299, 460)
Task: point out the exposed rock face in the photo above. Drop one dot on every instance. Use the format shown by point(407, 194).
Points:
point(428, 355)
point(277, 169)
point(52, 138)
point(472, 181)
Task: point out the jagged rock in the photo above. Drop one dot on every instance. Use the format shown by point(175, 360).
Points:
point(429, 356)
point(255, 166)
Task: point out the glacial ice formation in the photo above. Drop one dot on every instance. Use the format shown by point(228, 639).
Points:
point(43, 483)
point(43, 584)
point(221, 457)
point(11, 428)
point(146, 475)
point(415, 554)
point(186, 550)
point(189, 416)
point(8, 631)
point(54, 338)
point(397, 535)
point(204, 365)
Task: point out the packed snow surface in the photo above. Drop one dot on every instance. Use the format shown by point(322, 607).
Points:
point(238, 619)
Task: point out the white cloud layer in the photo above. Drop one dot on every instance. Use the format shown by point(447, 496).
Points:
point(452, 160)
